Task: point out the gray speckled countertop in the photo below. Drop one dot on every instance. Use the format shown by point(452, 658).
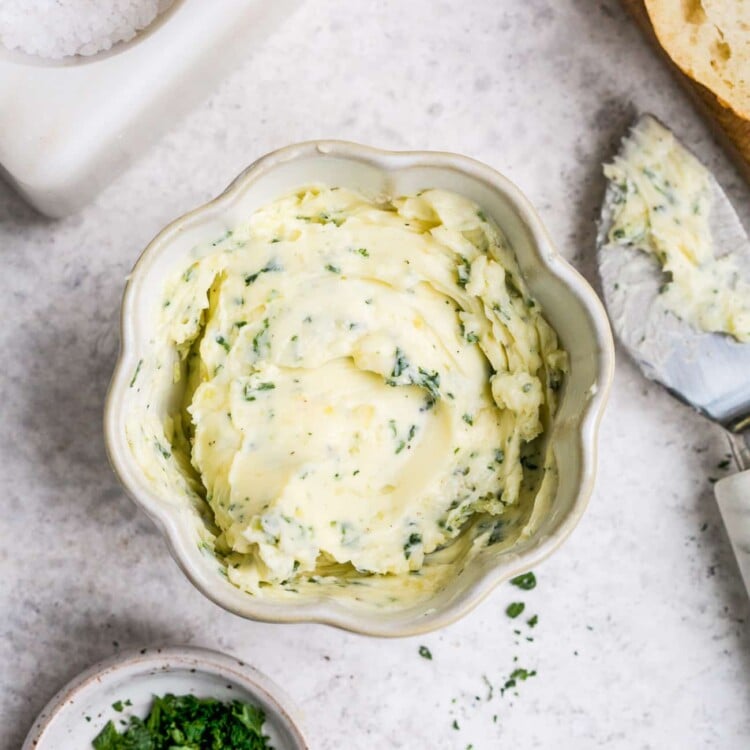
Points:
point(642, 639)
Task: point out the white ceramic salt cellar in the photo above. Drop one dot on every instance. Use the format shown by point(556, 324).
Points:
point(68, 127)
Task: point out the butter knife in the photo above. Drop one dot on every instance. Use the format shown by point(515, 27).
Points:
point(708, 371)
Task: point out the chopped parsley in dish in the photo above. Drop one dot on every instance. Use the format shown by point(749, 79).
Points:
point(184, 722)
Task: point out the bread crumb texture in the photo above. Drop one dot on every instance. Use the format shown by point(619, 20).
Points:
point(710, 41)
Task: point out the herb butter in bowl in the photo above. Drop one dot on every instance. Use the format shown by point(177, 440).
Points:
point(358, 388)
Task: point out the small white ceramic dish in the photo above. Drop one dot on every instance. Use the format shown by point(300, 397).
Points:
point(569, 304)
point(68, 127)
point(76, 715)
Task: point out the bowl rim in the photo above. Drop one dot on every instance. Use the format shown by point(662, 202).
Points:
point(388, 161)
point(136, 661)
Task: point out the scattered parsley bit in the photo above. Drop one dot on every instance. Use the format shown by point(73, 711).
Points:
point(185, 722)
point(514, 609)
point(425, 652)
point(118, 706)
point(532, 621)
point(724, 464)
point(363, 252)
point(455, 725)
point(223, 343)
point(333, 269)
point(468, 419)
point(527, 581)
point(518, 674)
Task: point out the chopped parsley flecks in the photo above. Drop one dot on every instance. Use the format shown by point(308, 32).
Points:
point(532, 621)
point(468, 419)
point(165, 452)
point(260, 338)
point(526, 581)
point(430, 381)
point(463, 273)
point(271, 267)
point(333, 269)
point(188, 723)
point(427, 379)
point(425, 652)
point(405, 442)
point(497, 534)
point(469, 336)
point(251, 391)
point(414, 540)
point(135, 374)
point(514, 609)
point(363, 252)
point(222, 342)
point(400, 365)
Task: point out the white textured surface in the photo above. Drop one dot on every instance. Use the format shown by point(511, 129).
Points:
point(642, 639)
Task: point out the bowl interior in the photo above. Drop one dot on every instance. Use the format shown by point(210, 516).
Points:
point(568, 303)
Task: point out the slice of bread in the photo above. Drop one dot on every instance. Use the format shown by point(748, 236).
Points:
point(710, 41)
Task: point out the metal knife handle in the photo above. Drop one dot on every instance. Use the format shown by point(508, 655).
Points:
point(740, 448)
point(733, 497)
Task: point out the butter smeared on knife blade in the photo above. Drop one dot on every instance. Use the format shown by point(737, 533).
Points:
point(675, 266)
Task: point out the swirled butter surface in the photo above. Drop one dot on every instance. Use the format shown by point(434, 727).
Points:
point(662, 206)
point(364, 384)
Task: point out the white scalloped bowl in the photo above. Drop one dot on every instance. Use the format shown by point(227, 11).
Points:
point(569, 303)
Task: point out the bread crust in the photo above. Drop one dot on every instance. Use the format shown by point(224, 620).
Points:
point(709, 40)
